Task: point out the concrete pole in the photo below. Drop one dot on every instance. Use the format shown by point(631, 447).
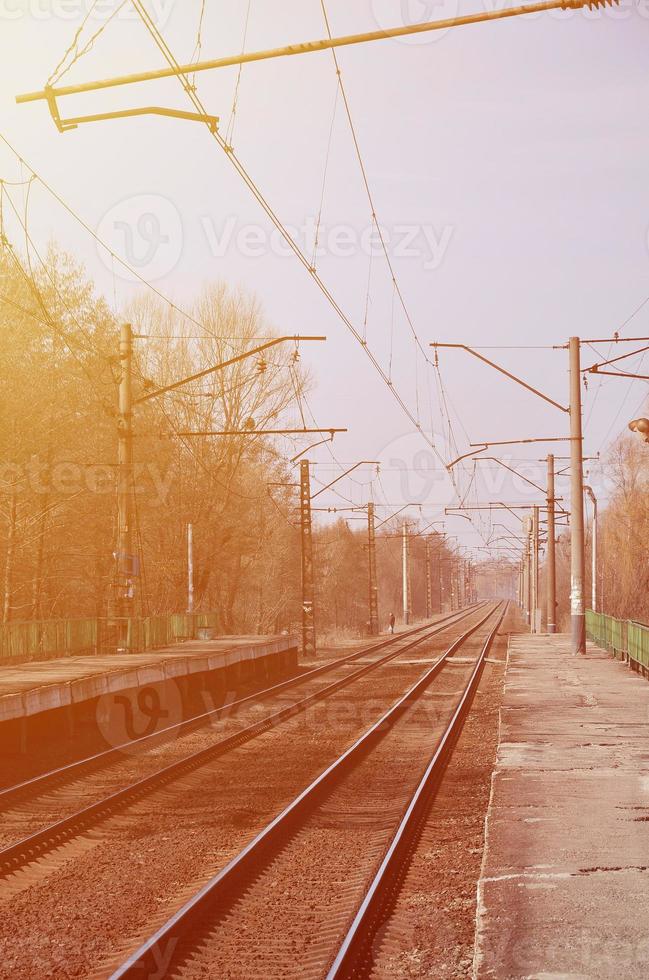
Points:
point(527, 585)
point(405, 574)
point(535, 570)
point(308, 614)
point(373, 584)
point(190, 568)
point(595, 532)
point(551, 562)
point(593, 498)
point(577, 551)
point(429, 584)
point(529, 575)
point(125, 558)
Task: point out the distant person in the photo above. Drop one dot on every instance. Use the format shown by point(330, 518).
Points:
point(392, 622)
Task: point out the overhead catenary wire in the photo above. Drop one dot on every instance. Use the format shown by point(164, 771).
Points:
point(189, 317)
point(290, 241)
point(229, 133)
point(74, 51)
point(115, 257)
point(398, 397)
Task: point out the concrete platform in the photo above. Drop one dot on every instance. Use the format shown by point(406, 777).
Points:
point(564, 891)
point(35, 688)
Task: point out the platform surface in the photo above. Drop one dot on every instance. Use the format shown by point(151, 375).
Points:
point(28, 689)
point(564, 892)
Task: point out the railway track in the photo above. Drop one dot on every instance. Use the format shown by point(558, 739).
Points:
point(307, 896)
point(44, 781)
point(79, 790)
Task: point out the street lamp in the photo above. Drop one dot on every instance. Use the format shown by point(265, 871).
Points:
point(641, 426)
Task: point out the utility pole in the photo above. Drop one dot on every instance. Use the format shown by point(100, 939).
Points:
point(373, 584)
point(593, 498)
point(429, 584)
point(526, 571)
point(577, 553)
point(535, 571)
point(551, 562)
point(125, 558)
point(190, 568)
point(406, 575)
point(308, 617)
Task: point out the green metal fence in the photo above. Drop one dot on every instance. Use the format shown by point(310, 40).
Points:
point(49, 639)
point(621, 637)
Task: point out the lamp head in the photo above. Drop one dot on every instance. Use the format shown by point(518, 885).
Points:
point(641, 426)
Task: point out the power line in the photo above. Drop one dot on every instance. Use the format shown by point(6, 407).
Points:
point(192, 94)
point(113, 255)
point(290, 241)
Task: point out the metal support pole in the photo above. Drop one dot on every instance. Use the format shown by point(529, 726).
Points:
point(535, 570)
point(125, 557)
point(405, 575)
point(593, 499)
point(529, 573)
point(429, 584)
point(577, 552)
point(595, 543)
point(50, 94)
point(308, 617)
point(551, 560)
point(190, 568)
point(371, 552)
point(526, 572)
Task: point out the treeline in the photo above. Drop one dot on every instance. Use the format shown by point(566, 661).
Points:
point(59, 374)
point(622, 559)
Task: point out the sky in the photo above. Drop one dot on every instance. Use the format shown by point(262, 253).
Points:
point(507, 163)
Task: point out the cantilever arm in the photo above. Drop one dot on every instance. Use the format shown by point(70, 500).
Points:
point(220, 367)
point(508, 374)
point(63, 125)
point(351, 469)
point(474, 452)
point(494, 459)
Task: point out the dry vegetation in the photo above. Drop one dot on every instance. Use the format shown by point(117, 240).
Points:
point(58, 397)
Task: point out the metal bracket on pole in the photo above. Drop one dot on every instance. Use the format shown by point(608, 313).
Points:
point(64, 125)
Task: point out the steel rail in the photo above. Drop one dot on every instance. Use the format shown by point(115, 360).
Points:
point(355, 948)
point(11, 794)
point(145, 961)
point(28, 849)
